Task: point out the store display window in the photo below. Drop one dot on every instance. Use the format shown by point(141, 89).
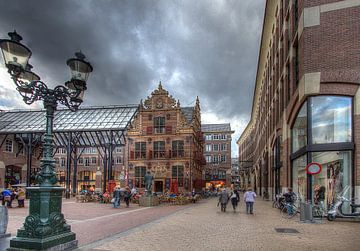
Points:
point(299, 130)
point(299, 177)
point(334, 178)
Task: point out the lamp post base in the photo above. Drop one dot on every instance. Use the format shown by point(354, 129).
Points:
point(45, 227)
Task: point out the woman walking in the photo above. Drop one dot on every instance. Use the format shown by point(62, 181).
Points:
point(234, 197)
point(249, 198)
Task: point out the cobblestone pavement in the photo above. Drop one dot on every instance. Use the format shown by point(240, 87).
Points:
point(94, 221)
point(204, 227)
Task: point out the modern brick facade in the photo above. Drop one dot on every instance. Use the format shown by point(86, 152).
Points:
point(166, 140)
point(217, 153)
point(309, 66)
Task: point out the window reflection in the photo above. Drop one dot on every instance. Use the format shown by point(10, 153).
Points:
point(331, 119)
point(299, 177)
point(333, 179)
point(299, 131)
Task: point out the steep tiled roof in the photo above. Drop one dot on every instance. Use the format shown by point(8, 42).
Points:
point(216, 127)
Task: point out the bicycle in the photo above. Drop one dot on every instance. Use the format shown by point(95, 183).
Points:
point(318, 211)
point(284, 210)
point(278, 202)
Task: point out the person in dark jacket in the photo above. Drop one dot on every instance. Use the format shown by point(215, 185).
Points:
point(116, 196)
point(290, 197)
point(234, 197)
point(127, 196)
point(223, 200)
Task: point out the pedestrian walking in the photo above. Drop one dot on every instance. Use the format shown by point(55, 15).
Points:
point(7, 197)
point(21, 197)
point(116, 196)
point(249, 198)
point(235, 198)
point(223, 200)
point(127, 196)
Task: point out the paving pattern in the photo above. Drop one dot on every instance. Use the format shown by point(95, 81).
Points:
point(204, 227)
point(199, 226)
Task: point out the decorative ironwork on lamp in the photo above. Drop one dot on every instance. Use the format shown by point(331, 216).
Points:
point(45, 226)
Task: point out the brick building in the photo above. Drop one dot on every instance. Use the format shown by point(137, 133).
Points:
point(13, 161)
point(166, 140)
point(217, 152)
point(306, 105)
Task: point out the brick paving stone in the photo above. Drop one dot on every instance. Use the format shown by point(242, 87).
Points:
point(94, 221)
point(204, 227)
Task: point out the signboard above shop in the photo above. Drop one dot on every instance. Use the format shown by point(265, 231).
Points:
point(313, 168)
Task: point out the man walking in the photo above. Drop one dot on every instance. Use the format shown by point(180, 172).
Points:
point(249, 198)
point(223, 200)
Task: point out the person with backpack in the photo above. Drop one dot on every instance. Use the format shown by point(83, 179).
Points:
point(116, 197)
point(235, 198)
point(249, 198)
point(290, 197)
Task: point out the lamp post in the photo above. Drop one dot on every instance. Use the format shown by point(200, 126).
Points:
point(45, 226)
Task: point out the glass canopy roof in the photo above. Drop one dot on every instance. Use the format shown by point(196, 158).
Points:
point(88, 119)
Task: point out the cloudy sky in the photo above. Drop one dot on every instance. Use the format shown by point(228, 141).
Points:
point(207, 48)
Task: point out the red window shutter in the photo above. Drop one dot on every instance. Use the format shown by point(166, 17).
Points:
point(132, 154)
point(150, 154)
point(168, 129)
point(149, 130)
point(170, 154)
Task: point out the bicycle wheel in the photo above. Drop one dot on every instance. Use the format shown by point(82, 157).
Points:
point(284, 211)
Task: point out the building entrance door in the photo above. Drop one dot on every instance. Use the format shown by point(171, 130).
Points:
point(159, 186)
point(12, 175)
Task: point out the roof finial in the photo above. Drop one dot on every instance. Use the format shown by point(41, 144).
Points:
point(178, 103)
point(160, 86)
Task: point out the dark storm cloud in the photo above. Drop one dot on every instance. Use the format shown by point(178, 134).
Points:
point(205, 48)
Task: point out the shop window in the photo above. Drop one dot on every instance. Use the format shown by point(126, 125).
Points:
point(299, 130)
point(178, 175)
point(140, 172)
point(140, 150)
point(299, 177)
point(178, 148)
point(8, 145)
point(331, 119)
point(334, 179)
point(159, 149)
point(159, 124)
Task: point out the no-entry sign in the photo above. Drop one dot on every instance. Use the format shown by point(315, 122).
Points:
point(313, 168)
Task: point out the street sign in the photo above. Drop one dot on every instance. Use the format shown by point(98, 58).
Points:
point(313, 168)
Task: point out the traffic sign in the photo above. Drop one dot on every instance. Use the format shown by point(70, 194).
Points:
point(313, 168)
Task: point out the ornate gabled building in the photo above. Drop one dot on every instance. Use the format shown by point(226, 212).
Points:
point(165, 139)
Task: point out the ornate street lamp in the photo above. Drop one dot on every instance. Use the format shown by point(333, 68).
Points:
point(45, 226)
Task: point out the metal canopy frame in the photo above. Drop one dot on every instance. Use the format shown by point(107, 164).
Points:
point(101, 127)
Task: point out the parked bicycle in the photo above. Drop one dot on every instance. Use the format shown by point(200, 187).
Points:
point(290, 206)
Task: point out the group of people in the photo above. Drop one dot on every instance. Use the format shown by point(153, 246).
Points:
point(8, 195)
point(120, 193)
point(234, 197)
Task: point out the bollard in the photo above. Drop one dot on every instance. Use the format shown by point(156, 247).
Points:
point(4, 217)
